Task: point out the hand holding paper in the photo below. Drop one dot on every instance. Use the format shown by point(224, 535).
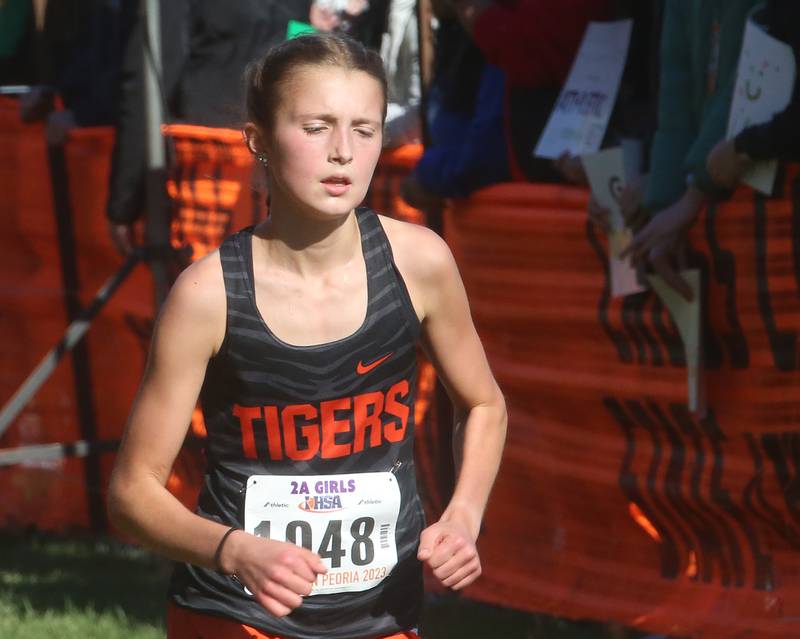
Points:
point(605, 171)
point(660, 242)
point(725, 166)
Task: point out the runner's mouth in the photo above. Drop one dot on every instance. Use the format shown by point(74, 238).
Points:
point(336, 184)
point(336, 179)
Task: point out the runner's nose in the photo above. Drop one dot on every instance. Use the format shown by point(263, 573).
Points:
point(342, 147)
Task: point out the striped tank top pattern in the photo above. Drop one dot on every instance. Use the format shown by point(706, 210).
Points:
point(346, 406)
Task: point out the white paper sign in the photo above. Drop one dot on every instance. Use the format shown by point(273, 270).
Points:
point(764, 83)
point(348, 520)
point(624, 277)
point(686, 316)
point(606, 173)
point(579, 120)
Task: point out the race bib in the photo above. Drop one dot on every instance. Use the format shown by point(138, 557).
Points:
point(348, 520)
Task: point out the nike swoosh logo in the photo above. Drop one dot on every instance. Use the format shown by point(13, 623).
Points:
point(363, 369)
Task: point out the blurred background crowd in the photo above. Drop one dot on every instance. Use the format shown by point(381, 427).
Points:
point(474, 80)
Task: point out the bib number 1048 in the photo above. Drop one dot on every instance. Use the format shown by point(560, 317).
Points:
point(299, 532)
point(348, 520)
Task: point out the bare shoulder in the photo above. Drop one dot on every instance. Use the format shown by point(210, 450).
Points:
point(425, 262)
point(418, 251)
point(200, 285)
point(197, 301)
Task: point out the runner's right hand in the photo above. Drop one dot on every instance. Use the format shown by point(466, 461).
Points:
point(279, 574)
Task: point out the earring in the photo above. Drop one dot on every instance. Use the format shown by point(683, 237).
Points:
point(262, 157)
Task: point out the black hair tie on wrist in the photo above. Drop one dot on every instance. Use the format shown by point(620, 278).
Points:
point(218, 551)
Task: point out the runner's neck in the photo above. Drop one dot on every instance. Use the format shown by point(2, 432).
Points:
point(307, 247)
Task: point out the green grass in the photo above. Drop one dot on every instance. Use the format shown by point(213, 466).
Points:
point(75, 589)
point(88, 589)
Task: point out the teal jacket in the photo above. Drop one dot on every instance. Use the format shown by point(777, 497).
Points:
point(694, 93)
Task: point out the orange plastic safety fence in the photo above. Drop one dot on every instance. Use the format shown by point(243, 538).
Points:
point(384, 191)
point(614, 502)
point(211, 185)
point(53, 495)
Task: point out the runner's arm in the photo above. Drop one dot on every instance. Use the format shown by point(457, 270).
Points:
point(189, 331)
point(450, 339)
point(189, 326)
point(454, 347)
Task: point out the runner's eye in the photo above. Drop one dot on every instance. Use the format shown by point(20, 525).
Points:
point(314, 129)
point(365, 132)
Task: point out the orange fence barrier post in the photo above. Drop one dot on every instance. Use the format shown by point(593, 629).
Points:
point(614, 502)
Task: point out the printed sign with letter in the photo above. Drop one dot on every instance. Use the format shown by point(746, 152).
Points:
point(580, 117)
point(606, 173)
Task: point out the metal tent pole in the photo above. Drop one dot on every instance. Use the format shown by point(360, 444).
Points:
point(157, 219)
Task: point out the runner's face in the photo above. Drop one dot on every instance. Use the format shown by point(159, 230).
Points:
point(325, 141)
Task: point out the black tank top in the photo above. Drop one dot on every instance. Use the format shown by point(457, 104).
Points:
point(338, 408)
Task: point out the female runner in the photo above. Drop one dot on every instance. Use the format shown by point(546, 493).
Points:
point(300, 337)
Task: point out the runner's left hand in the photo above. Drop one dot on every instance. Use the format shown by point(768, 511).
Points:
point(450, 551)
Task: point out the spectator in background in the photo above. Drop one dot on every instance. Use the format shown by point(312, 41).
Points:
point(467, 147)
point(634, 116)
point(364, 20)
point(395, 22)
point(779, 138)
point(534, 42)
point(206, 45)
point(80, 47)
point(700, 46)
point(400, 54)
point(16, 43)
point(634, 113)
